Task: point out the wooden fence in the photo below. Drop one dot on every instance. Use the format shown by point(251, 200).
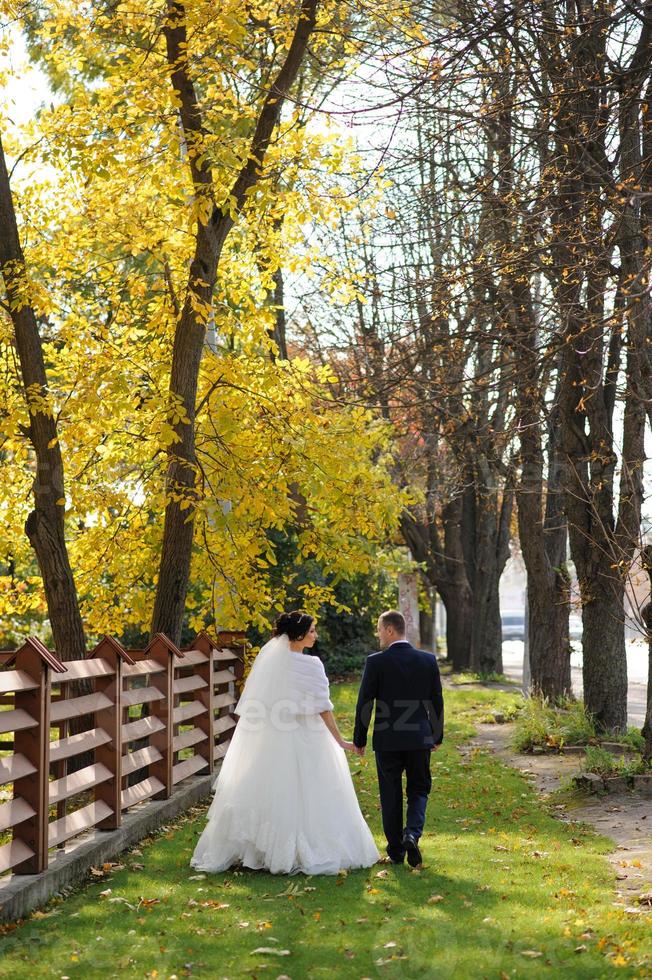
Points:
point(150, 719)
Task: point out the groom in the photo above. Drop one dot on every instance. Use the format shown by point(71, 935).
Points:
point(405, 685)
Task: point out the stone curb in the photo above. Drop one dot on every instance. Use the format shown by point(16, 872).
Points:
point(20, 894)
point(590, 782)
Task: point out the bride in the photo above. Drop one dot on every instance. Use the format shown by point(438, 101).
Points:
point(284, 798)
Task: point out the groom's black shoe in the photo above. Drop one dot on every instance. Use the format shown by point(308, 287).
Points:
point(412, 850)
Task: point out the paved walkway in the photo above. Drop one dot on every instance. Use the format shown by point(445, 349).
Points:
point(625, 817)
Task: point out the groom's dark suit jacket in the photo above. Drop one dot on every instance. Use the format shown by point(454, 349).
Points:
point(405, 685)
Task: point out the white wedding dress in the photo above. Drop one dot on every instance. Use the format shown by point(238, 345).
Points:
point(284, 797)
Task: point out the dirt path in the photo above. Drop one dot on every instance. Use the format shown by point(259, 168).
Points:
point(626, 818)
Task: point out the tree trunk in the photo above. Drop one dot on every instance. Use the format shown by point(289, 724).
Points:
point(646, 612)
point(491, 553)
point(445, 569)
point(178, 531)
point(45, 526)
point(277, 334)
point(605, 670)
point(549, 642)
point(543, 537)
point(427, 629)
point(458, 602)
point(487, 632)
point(647, 726)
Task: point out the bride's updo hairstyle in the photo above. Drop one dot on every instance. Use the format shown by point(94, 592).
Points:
point(294, 625)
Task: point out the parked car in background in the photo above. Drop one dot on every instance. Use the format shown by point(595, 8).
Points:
point(513, 624)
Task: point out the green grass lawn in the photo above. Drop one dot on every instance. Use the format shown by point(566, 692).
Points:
point(506, 891)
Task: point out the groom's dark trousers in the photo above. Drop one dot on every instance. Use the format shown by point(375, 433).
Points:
point(404, 685)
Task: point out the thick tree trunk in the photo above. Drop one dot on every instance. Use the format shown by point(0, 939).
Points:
point(605, 669)
point(427, 630)
point(543, 536)
point(491, 552)
point(646, 612)
point(445, 568)
point(455, 585)
point(178, 531)
point(458, 602)
point(647, 725)
point(45, 526)
point(549, 642)
point(486, 633)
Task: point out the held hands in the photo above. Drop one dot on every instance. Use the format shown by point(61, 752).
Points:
point(350, 747)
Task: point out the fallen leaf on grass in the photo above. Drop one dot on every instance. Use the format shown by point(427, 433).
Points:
point(532, 953)
point(270, 949)
point(580, 949)
point(382, 874)
point(105, 893)
point(434, 899)
point(124, 902)
point(196, 877)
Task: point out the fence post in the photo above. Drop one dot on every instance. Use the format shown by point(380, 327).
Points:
point(34, 743)
point(235, 640)
point(205, 695)
point(163, 651)
point(110, 719)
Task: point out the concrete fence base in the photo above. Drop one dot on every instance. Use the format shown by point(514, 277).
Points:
point(20, 894)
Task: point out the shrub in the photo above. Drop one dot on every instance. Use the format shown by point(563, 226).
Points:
point(599, 761)
point(539, 723)
point(533, 726)
point(604, 763)
point(634, 738)
point(576, 725)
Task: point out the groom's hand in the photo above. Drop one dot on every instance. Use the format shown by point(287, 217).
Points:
point(359, 750)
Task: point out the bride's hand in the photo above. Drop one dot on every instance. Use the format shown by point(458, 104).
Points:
point(347, 746)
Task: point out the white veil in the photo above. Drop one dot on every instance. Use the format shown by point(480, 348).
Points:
point(268, 682)
point(283, 684)
point(285, 691)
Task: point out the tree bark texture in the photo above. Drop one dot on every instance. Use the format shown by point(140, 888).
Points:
point(45, 525)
